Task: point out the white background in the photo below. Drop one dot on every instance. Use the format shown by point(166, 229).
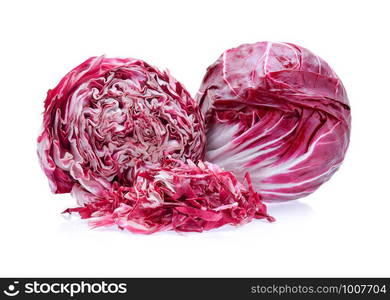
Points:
point(341, 230)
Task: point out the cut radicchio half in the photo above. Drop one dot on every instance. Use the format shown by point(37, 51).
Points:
point(108, 117)
point(118, 134)
point(279, 112)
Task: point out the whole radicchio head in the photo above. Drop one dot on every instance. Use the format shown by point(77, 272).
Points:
point(108, 118)
point(279, 112)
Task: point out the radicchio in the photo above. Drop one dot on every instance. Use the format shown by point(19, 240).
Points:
point(186, 197)
point(109, 117)
point(127, 141)
point(279, 112)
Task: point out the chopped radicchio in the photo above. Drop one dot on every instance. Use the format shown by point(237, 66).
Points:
point(185, 197)
point(279, 112)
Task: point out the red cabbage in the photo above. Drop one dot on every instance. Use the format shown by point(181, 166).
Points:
point(279, 112)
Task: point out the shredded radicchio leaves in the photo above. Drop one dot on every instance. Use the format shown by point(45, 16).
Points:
point(117, 134)
point(187, 197)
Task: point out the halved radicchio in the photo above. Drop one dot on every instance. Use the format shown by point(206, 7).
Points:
point(108, 117)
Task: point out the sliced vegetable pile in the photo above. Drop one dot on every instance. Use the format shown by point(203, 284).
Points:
point(186, 197)
point(128, 141)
